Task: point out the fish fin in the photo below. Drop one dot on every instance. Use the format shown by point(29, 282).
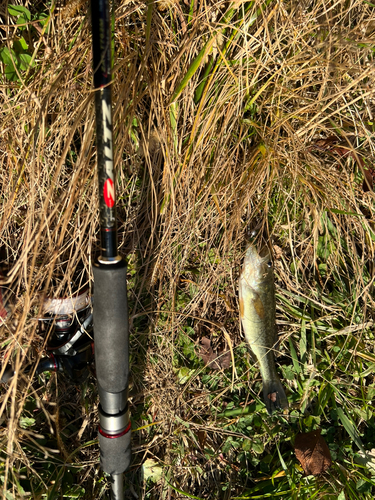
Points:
point(242, 307)
point(274, 395)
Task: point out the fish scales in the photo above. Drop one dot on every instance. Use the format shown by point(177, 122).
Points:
point(257, 312)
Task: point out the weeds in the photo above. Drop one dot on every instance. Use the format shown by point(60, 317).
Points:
point(216, 107)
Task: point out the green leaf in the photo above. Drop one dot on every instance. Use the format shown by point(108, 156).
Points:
point(152, 470)
point(325, 247)
point(25, 61)
point(43, 19)
point(21, 22)
point(18, 10)
point(303, 342)
point(363, 486)
point(246, 445)
point(288, 372)
point(324, 396)
point(184, 375)
point(191, 12)
point(343, 212)
point(20, 45)
point(10, 73)
point(183, 493)
point(173, 113)
point(6, 55)
point(227, 445)
point(11, 61)
point(350, 428)
point(193, 68)
point(295, 359)
point(20, 489)
point(258, 447)
point(26, 422)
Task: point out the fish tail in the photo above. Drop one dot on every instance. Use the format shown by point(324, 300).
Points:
point(274, 395)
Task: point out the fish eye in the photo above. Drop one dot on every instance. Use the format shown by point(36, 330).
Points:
point(269, 264)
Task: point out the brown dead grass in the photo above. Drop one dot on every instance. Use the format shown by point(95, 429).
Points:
point(188, 196)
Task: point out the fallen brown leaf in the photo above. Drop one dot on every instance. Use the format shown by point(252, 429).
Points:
point(312, 452)
point(202, 438)
point(216, 360)
point(324, 144)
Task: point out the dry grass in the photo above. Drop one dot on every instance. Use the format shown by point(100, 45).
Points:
point(194, 173)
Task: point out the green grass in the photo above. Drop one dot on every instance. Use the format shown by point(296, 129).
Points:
point(216, 105)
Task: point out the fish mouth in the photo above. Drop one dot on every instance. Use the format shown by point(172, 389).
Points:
point(258, 259)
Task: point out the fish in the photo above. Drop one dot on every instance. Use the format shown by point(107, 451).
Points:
point(258, 316)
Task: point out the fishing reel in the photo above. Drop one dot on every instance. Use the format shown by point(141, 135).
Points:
point(68, 324)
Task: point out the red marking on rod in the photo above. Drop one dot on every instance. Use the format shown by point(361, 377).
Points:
point(114, 436)
point(54, 362)
point(109, 193)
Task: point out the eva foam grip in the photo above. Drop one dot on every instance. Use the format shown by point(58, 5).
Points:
point(111, 327)
point(115, 454)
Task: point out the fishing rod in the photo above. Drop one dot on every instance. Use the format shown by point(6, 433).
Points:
point(110, 312)
point(69, 321)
